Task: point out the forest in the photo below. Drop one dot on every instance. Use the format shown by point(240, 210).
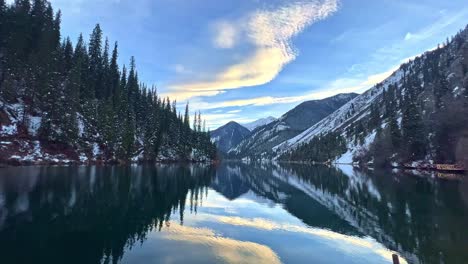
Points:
point(79, 97)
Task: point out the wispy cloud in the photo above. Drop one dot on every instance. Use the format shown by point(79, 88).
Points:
point(270, 33)
point(226, 35)
point(343, 85)
point(438, 26)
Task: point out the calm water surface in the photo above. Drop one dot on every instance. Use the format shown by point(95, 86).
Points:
point(230, 213)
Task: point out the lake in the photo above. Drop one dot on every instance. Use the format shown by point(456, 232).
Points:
point(229, 213)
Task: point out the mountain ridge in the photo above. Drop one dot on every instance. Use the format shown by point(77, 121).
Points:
point(259, 122)
point(290, 124)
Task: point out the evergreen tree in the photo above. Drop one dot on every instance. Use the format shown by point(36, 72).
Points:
point(106, 83)
point(67, 55)
point(81, 60)
point(187, 116)
point(413, 131)
point(114, 76)
point(395, 133)
point(96, 62)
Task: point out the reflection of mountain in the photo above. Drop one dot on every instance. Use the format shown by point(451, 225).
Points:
point(93, 214)
point(229, 183)
point(425, 221)
point(259, 180)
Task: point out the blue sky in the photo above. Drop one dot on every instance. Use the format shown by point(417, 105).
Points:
point(246, 59)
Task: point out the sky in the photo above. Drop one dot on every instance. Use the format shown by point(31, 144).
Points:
point(247, 59)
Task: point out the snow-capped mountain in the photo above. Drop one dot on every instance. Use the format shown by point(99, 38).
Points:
point(264, 138)
point(416, 114)
point(258, 123)
point(228, 136)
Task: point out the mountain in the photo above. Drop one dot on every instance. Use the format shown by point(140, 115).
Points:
point(228, 136)
point(264, 138)
point(258, 123)
point(419, 113)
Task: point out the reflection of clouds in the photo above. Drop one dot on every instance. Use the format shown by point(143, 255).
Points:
point(227, 249)
point(347, 243)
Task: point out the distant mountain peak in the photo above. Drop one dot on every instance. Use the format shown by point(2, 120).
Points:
point(229, 135)
point(260, 122)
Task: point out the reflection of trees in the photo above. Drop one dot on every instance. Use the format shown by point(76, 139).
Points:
point(425, 220)
point(92, 214)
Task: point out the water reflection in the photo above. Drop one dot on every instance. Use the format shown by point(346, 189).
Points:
point(232, 213)
point(89, 214)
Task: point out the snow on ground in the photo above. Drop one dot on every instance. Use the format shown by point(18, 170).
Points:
point(8, 130)
point(96, 150)
point(215, 139)
point(83, 157)
point(347, 158)
point(34, 125)
point(81, 128)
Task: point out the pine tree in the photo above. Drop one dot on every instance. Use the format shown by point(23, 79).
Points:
point(413, 131)
point(114, 76)
point(96, 62)
point(199, 122)
point(67, 55)
point(106, 82)
point(81, 60)
point(20, 38)
point(395, 133)
point(195, 122)
point(187, 116)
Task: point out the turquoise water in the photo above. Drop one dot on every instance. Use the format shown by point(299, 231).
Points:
point(230, 213)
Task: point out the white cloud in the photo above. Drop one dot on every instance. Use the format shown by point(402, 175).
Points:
point(343, 85)
point(181, 69)
point(226, 35)
point(270, 32)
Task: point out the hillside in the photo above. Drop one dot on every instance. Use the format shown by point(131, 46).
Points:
point(228, 136)
point(61, 103)
point(419, 113)
point(263, 139)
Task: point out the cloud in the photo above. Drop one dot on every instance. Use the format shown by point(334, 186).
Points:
point(185, 95)
point(438, 27)
point(181, 69)
point(226, 35)
point(343, 85)
point(270, 33)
